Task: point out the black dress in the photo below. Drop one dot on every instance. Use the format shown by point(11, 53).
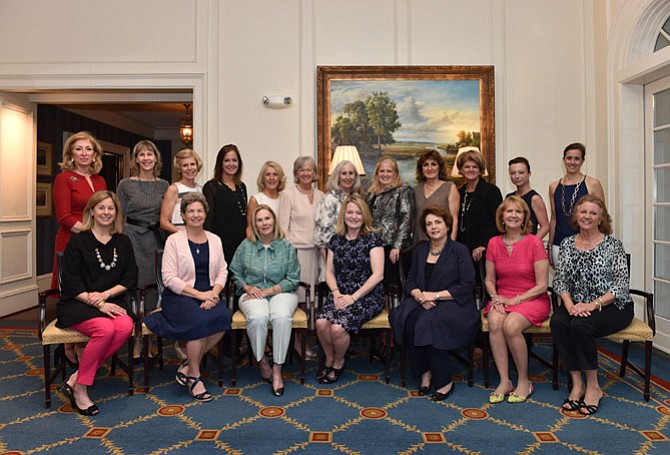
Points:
point(182, 318)
point(227, 216)
point(82, 272)
point(477, 216)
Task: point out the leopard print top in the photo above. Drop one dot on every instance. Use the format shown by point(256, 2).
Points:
point(586, 275)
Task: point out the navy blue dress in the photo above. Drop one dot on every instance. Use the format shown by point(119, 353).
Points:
point(181, 317)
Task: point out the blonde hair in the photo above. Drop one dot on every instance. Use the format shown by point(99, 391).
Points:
point(277, 233)
point(150, 147)
point(260, 181)
point(526, 225)
point(68, 161)
point(358, 201)
point(375, 187)
point(184, 154)
point(475, 157)
point(299, 163)
point(99, 196)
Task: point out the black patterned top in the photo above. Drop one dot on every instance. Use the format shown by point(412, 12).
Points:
point(586, 275)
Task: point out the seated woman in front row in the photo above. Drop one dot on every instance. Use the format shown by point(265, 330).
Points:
point(98, 268)
point(517, 271)
point(266, 271)
point(592, 280)
point(194, 272)
point(354, 274)
point(439, 314)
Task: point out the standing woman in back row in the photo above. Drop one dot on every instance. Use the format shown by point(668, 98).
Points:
point(392, 206)
point(564, 192)
point(141, 197)
point(226, 195)
point(73, 187)
point(479, 202)
point(187, 163)
point(434, 189)
point(519, 173)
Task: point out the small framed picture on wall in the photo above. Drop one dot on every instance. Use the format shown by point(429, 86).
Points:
point(44, 159)
point(44, 200)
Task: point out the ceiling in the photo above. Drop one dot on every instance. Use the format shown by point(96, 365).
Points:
point(145, 112)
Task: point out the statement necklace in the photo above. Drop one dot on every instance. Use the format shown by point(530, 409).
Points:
point(465, 206)
point(572, 200)
point(109, 266)
point(436, 252)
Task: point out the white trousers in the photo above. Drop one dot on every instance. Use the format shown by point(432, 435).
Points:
point(277, 310)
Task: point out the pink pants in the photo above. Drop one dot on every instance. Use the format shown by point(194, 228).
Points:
point(106, 335)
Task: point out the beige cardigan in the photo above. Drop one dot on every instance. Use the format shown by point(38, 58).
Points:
point(296, 216)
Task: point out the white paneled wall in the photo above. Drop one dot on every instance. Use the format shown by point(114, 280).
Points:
point(548, 57)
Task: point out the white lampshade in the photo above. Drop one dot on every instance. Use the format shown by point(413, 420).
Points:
point(347, 153)
point(455, 172)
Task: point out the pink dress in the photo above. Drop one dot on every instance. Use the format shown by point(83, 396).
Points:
point(515, 275)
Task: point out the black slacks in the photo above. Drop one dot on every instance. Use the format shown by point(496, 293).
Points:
point(427, 358)
point(575, 337)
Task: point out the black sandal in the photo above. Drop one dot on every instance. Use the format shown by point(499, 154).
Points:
point(180, 377)
point(337, 372)
point(588, 409)
point(573, 405)
point(323, 373)
point(202, 397)
point(67, 390)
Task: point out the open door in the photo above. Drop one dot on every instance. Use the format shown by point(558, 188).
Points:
point(18, 289)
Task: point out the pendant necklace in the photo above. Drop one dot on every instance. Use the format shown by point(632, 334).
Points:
point(465, 206)
point(109, 266)
point(572, 200)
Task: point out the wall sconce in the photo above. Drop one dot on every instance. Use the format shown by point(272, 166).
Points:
point(186, 127)
point(455, 172)
point(348, 153)
point(277, 101)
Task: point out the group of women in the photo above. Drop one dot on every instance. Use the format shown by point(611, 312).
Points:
point(356, 244)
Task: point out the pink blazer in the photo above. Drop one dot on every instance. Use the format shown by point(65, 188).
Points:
point(178, 267)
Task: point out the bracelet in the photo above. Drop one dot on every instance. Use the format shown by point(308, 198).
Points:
point(110, 295)
point(518, 299)
point(333, 290)
point(437, 296)
point(99, 305)
point(353, 297)
point(599, 303)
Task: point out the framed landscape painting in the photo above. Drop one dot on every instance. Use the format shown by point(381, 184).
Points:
point(401, 111)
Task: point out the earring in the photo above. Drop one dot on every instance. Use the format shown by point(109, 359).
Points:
point(503, 222)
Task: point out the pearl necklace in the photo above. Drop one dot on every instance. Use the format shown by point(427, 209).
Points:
point(109, 266)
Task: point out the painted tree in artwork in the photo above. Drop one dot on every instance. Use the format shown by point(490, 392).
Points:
point(364, 123)
point(382, 117)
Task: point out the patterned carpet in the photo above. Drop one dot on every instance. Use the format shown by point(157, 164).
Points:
point(358, 415)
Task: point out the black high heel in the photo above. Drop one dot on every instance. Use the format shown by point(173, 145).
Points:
point(337, 372)
point(66, 389)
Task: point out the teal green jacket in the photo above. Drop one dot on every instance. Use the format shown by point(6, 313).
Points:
point(256, 265)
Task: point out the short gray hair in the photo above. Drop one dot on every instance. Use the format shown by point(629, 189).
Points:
point(192, 197)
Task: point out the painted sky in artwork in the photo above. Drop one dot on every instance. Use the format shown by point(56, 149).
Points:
point(430, 111)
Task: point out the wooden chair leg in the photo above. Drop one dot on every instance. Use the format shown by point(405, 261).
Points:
point(403, 365)
point(386, 341)
point(146, 359)
point(471, 365)
point(47, 375)
point(219, 361)
point(233, 357)
point(647, 368)
point(303, 350)
point(624, 358)
point(485, 358)
point(131, 365)
point(554, 368)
